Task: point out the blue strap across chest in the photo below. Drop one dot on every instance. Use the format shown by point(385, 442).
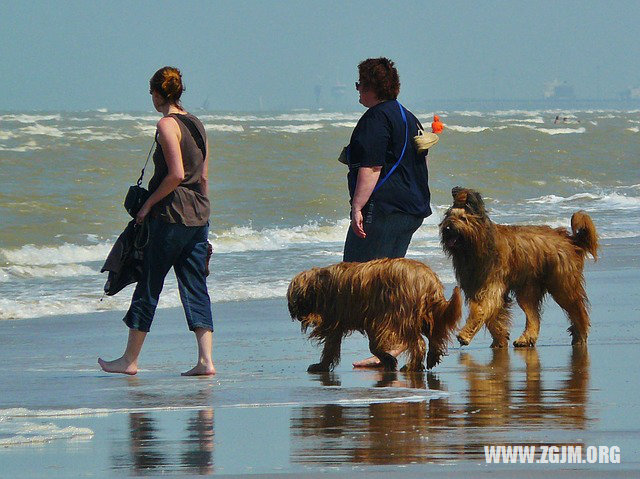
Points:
point(406, 139)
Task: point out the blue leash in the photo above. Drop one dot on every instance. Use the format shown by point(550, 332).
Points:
point(406, 138)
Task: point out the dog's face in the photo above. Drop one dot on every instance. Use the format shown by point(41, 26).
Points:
point(459, 226)
point(305, 292)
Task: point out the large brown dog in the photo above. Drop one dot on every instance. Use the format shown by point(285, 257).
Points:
point(491, 261)
point(393, 301)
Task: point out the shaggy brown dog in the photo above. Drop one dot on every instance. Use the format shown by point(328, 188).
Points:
point(393, 301)
point(491, 261)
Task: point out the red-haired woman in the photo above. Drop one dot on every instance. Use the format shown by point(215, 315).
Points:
point(178, 214)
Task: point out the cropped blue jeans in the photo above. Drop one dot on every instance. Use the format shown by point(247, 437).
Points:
point(184, 248)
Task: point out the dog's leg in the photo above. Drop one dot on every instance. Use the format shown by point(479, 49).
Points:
point(330, 354)
point(479, 313)
point(417, 351)
point(499, 326)
point(434, 354)
point(387, 361)
point(529, 300)
point(573, 301)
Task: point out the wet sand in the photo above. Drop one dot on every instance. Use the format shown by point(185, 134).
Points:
point(60, 416)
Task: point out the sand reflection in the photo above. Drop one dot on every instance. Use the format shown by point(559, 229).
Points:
point(197, 454)
point(488, 401)
point(151, 447)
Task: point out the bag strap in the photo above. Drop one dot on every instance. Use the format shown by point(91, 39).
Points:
point(197, 137)
point(195, 133)
point(155, 140)
point(406, 138)
point(141, 234)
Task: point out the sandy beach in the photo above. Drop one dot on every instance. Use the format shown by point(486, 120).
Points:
point(263, 414)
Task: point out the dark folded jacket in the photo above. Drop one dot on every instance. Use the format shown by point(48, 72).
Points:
point(124, 262)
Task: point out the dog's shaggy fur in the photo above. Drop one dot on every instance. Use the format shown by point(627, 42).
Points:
point(393, 301)
point(493, 261)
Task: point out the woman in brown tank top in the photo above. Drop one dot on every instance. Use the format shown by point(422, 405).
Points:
point(178, 214)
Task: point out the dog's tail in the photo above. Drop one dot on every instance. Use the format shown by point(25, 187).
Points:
point(584, 233)
point(453, 311)
point(445, 318)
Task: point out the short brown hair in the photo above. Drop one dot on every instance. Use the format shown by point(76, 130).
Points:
point(381, 76)
point(168, 83)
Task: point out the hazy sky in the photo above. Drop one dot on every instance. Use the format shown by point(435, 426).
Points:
point(245, 55)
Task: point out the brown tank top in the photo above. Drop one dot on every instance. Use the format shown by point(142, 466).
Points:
point(188, 204)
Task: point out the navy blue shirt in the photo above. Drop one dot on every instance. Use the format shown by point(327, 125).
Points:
point(377, 140)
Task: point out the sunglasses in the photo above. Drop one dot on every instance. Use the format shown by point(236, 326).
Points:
point(357, 85)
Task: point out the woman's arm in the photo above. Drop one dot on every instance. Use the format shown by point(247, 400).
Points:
point(169, 139)
point(204, 181)
point(367, 179)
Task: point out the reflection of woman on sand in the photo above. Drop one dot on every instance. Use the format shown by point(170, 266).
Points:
point(178, 208)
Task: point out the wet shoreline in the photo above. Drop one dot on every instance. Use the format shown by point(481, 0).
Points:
point(263, 414)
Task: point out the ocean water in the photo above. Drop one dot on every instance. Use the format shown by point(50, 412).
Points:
point(279, 196)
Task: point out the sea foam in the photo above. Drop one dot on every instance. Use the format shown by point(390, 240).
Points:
point(304, 128)
point(56, 271)
point(244, 238)
point(467, 129)
point(26, 433)
point(47, 255)
point(129, 117)
point(561, 131)
point(44, 130)
point(223, 128)
point(605, 200)
point(26, 118)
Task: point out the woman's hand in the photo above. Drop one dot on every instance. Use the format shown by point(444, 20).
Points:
point(357, 223)
point(142, 214)
point(366, 182)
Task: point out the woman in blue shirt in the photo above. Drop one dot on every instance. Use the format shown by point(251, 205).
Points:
point(383, 219)
point(388, 204)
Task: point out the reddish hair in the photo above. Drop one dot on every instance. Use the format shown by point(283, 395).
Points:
point(381, 76)
point(168, 83)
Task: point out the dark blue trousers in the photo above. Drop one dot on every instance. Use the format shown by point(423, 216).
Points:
point(388, 236)
point(184, 248)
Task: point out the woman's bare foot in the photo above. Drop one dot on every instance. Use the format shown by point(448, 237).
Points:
point(119, 365)
point(201, 370)
point(204, 365)
point(373, 361)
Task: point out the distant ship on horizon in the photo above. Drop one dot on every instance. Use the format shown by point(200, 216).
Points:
point(632, 93)
point(556, 90)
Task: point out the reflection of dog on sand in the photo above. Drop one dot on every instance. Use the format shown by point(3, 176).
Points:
point(393, 301)
point(491, 261)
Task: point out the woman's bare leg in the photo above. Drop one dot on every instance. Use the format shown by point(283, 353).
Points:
point(204, 367)
point(128, 362)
